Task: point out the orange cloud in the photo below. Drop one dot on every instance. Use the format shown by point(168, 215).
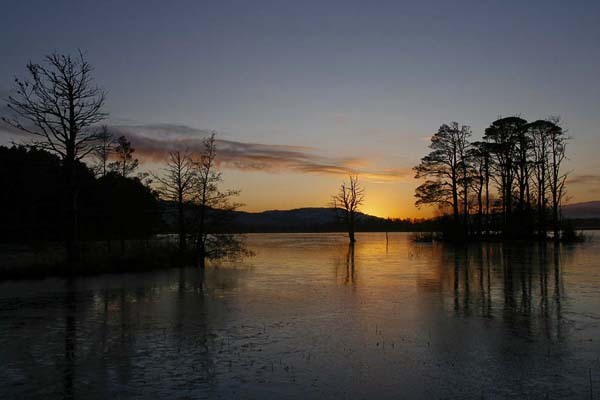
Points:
point(154, 142)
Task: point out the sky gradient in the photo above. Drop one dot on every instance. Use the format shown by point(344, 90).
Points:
point(301, 92)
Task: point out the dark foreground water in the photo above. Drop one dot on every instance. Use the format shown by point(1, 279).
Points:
point(308, 317)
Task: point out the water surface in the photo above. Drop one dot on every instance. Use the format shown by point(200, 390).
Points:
point(311, 317)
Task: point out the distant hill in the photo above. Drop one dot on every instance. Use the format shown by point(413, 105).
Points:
point(587, 210)
point(322, 219)
point(299, 220)
point(309, 219)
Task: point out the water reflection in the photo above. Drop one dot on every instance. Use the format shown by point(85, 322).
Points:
point(346, 270)
point(520, 284)
point(522, 320)
point(70, 339)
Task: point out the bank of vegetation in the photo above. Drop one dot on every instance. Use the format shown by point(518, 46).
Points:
point(75, 184)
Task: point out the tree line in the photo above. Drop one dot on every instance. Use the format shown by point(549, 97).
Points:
point(510, 184)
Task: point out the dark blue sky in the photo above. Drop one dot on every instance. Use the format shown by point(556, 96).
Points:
point(364, 79)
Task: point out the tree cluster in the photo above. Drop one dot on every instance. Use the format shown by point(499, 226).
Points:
point(510, 183)
point(203, 210)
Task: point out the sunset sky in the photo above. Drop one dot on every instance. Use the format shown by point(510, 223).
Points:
point(301, 92)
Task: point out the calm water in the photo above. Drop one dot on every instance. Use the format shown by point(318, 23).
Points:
point(307, 317)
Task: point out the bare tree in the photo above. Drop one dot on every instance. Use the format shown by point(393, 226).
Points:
point(214, 208)
point(349, 198)
point(57, 104)
point(125, 164)
point(103, 150)
point(177, 184)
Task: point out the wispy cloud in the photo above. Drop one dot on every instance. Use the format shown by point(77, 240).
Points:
point(584, 179)
point(154, 142)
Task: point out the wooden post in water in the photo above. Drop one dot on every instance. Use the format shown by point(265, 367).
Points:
point(386, 242)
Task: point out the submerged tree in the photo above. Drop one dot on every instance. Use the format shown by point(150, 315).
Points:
point(349, 198)
point(124, 164)
point(57, 104)
point(177, 184)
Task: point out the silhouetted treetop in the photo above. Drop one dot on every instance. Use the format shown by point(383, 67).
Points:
point(57, 103)
point(124, 164)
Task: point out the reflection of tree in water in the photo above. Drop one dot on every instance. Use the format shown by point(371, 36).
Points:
point(158, 334)
point(345, 266)
point(191, 332)
point(499, 280)
point(350, 267)
point(70, 340)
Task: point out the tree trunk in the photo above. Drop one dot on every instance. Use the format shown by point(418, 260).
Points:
point(455, 199)
point(351, 228)
point(555, 222)
point(71, 206)
point(480, 207)
point(181, 223)
point(351, 236)
point(201, 259)
point(466, 205)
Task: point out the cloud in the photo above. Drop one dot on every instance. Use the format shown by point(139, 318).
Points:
point(586, 179)
point(154, 142)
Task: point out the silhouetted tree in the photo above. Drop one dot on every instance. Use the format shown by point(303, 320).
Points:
point(434, 192)
point(214, 207)
point(465, 167)
point(479, 157)
point(57, 104)
point(522, 161)
point(558, 146)
point(444, 167)
point(103, 150)
point(177, 184)
point(539, 132)
point(125, 164)
point(503, 135)
point(349, 198)
point(525, 160)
